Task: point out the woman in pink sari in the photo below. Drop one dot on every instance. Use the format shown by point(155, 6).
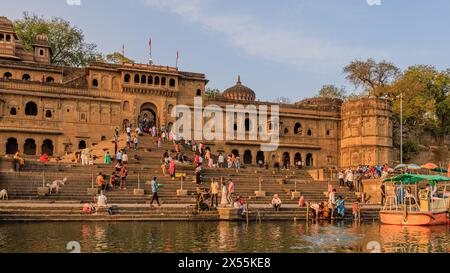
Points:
point(172, 169)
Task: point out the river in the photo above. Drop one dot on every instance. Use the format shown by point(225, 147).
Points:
point(147, 237)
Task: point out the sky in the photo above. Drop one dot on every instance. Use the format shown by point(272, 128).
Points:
point(280, 48)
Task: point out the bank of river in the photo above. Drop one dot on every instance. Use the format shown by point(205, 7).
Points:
point(221, 237)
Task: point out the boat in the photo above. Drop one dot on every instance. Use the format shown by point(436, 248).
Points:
point(406, 205)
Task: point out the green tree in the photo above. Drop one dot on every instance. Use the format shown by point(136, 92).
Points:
point(117, 58)
point(66, 41)
point(410, 150)
point(333, 92)
point(426, 98)
point(212, 92)
point(373, 77)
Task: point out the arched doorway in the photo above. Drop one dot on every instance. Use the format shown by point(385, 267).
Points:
point(29, 147)
point(47, 147)
point(235, 152)
point(82, 145)
point(125, 124)
point(286, 158)
point(309, 160)
point(297, 158)
point(11, 146)
point(260, 157)
point(248, 157)
point(147, 116)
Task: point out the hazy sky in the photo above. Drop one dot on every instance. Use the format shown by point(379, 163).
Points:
point(284, 48)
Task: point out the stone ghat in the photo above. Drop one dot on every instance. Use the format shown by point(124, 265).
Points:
point(23, 211)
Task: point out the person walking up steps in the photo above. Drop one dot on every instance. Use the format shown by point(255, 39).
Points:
point(155, 188)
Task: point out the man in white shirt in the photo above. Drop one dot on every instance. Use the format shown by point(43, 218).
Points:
point(220, 160)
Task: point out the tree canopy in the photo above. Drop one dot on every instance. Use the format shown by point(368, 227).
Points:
point(66, 41)
point(373, 77)
point(333, 92)
point(117, 58)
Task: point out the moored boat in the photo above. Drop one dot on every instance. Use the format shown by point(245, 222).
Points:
point(412, 207)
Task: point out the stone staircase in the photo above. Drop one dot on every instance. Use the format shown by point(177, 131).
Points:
point(23, 186)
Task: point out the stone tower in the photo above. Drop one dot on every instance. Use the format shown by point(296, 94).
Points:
point(366, 132)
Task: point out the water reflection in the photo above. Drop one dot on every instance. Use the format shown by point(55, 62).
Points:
point(220, 237)
point(414, 239)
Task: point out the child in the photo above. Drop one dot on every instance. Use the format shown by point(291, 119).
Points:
point(357, 210)
point(163, 168)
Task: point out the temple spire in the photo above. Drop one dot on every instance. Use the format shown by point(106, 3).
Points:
point(239, 79)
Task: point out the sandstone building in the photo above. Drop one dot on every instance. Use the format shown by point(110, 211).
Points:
point(51, 109)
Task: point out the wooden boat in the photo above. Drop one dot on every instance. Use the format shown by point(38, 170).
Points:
point(414, 208)
point(414, 218)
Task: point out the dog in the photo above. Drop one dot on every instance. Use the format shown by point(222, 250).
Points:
point(56, 185)
point(3, 194)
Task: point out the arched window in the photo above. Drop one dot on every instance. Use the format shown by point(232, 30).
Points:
point(2, 37)
point(103, 138)
point(7, 75)
point(82, 145)
point(41, 52)
point(11, 146)
point(31, 109)
point(136, 78)
point(247, 124)
point(248, 157)
point(298, 129)
point(286, 131)
point(126, 106)
point(235, 152)
point(150, 80)
point(172, 82)
point(95, 82)
point(309, 132)
point(163, 81)
point(26, 77)
point(48, 113)
point(143, 79)
point(13, 111)
point(29, 147)
point(156, 80)
point(47, 147)
point(126, 78)
point(169, 109)
point(198, 93)
point(309, 160)
point(328, 132)
point(8, 37)
point(50, 79)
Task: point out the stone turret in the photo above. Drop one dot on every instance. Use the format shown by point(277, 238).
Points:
point(8, 39)
point(41, 49)
point(366, 132)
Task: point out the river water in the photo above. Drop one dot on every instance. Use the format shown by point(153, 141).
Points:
point(212, 237)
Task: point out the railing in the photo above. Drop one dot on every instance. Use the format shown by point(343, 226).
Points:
point(53, 88)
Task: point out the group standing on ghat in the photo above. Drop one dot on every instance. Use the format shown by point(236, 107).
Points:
point(221, 191)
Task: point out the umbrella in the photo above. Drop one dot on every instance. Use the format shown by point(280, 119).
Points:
point(429, 166)
point(400, 166)
point(414, 178)
point(413, 167)
point(440, 170)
